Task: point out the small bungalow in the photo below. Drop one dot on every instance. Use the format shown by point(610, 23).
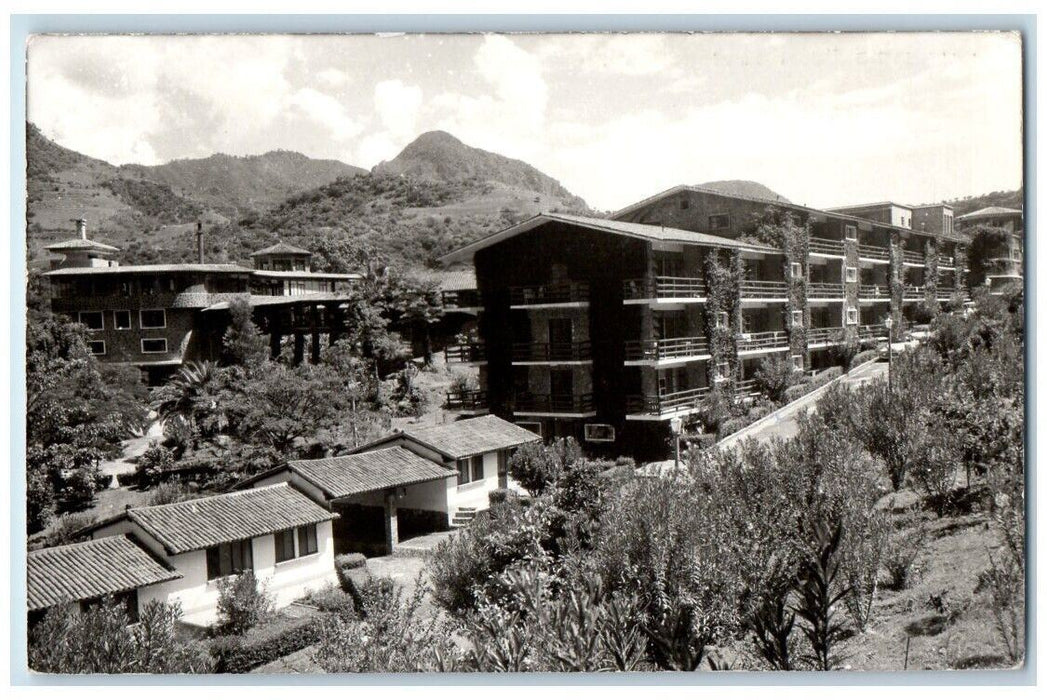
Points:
point(418, 480)
point(83, 573)
point(275, 531)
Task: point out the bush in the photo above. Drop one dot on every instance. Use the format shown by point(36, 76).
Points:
point(900, 556)
point(757, 412)
point(329, 598)
point(152, 464)
point(863, 357)
point(171, 492)
point(240, 654)
point(774, 375)
point(65, 529)
point(242, 603)
point(825, 376)
point(796, 391)
point(535, 466)
point(732, 425)
point(351, 570)
point(498, 496)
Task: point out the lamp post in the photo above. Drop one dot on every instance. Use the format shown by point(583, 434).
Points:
point(676, 425)
point(889, 322)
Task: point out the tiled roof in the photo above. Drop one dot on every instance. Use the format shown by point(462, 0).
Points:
point(281, 248)
point(647, 231)
point(454, 280)
point(80, 244)
point(359, 473)
point(206, 522)
point(471, 436)
point(149, 269)
point(990, 211)
point(304, 275)
point(286, 299)
point(90, 569)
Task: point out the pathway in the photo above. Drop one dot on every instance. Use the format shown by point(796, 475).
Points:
point(133, 447)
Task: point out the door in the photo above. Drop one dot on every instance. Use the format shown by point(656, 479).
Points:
point(561, 388)
point(503, 469)
point(560, 335)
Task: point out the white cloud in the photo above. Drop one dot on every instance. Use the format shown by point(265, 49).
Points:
point(326, 110)
point(397, 106)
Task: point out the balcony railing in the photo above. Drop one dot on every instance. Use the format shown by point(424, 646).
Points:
point(665, 348)
point(551, 352)
point(946, 261)
point(913, 293)
point(745, 387)
point(665, 288)
point(872, 331)
point(831, 334)
point(825, 246)
point(762, 341)
point(873, 252)
point(558, 293)
point(554, 403)
point(763, 288)
point(874, 291)
point(461, 299)
point(824, 290)
point(912, 257)
point(666, 403)
point(468, 400)
point(465, 352)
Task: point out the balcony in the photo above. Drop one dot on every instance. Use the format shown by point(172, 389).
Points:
point(824, 246)
point(551, 352)
point(664, 288)
point(461, 299)
point(745, 388)
point(912, 293)
point(875, 291)
point(872, 252)
point(764, 289)
point(554, 403)
point(465, 352)
point(831, 335)
point(911, 257)
point(666, 404)
point(825, 290)
point(872, 332)
point(559, 294)
point(469, 400)
point(665, 349)
point(946, 261)
point(767, 340)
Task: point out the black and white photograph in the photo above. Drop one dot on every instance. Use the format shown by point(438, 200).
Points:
point(522, 352)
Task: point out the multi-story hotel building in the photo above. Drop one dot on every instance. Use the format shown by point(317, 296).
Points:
point(157, 317)
point(605, 329)
point(1004, 263)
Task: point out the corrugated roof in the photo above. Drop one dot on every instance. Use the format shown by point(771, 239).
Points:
point(646, 231)
point(80, 244)
point(146, 269)
point(471, 436)
point(90, 569)
point(989, 211)
point(359, 473)
point(206, 522)
point(281, 248)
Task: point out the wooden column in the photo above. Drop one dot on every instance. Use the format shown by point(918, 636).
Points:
point(299, 347)
point(392, 528)
point(314, 324)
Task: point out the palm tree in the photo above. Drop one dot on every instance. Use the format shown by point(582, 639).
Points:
point(191, 396)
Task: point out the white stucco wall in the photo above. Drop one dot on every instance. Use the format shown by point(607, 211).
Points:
point(474, 494)
point(286, 581)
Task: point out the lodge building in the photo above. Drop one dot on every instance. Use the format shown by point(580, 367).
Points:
point(1004, 262)
point(605, 329)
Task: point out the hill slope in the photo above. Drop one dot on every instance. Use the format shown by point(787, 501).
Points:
point(438, 156)
point(1012, 199)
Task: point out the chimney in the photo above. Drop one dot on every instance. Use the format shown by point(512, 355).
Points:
point(81, 228)
point(200, 243)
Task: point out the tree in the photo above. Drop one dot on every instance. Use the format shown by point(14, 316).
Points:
point(535, 466)
point(193, 395)
point(243, 603)
point(242, 343)
point(774, 375)
point(988, 245)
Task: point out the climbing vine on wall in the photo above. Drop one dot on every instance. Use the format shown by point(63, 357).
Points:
point(930, 274)
point(723, 275)
point(897, 279)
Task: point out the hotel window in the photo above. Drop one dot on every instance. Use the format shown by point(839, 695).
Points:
point(685, 203)
point(852, 316)
point(152, 318)
point(92, 319)
point(722, 320)
point(850, 232)
point(284, 541)
point(307, 540)
point(535, 427)
point(228, 559)
point(154, 345)
point(122, 320)
point(851, 274)
point(723, 370)
point(798, 362)
point(797, 318)
point(599, 432)
point(795, 270)
point(470, 469)
point(97, 347)
point(719, 221)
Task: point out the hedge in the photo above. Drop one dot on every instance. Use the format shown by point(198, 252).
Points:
point(733, 425)
point(351, 570)
point(863, 357)
point(240, 654)
point(758, 412)
point(498, 496)
point(826, 376)
point(796, 391)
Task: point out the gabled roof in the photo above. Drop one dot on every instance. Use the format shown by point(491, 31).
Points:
point(80, 244)
point(206, 522)
point(463, 438)
point(281, 248)
point(306, 275)
point(90, 569)
point(622, 228)
point(377, 470)
point(453, 280)
point(989, 212)
point(676, 189)
point(149, 269)
point(870, 205)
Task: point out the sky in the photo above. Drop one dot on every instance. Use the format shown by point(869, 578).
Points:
point(823, 119)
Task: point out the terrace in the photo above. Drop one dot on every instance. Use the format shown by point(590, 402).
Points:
point(639, 351)
point(913, 293)
point(872, 331)
point(767, 341)
point(764, 289)
point(461, 299)
point(466, 352)
point(554, 404)
point(825, 290)
point(825, 246)
point(664, 288)
point(875, 291)
point(557, 294)
point(532, 352)
point(831, 335)
point(467, 400)
point(874, 253)
point(911, 257)
point(659, 406)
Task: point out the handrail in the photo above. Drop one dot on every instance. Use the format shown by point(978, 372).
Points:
point(873, 252)
point(913, 292)
point(664, 287)
point(465, 352)
point(461, 298)
point(825, 246)
point(818, 290)
point(545, 352)
point(874, 291)
point(469, 399)
point(554, 403)
point(555, 293)
point(764, 339)
point(751, 288)
point(911, 256)
point(666, 403)
point(824, 335)
point(664, 348)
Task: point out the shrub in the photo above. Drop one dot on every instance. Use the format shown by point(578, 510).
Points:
point(900, 556)
point(152, 463)
point(351, 570)
point(66, 528)
point(758, 412)
point(863, 357)
point(922, 314)
point(774, 375)
point(1004, 585)
point(732, 425)
point(330, 598)
point(242, 603)
point(170, 492)
point(535, 466)
point(714, 409)
point(240, 654)
point(796, 391)
point(498, 496)
point(820, 589)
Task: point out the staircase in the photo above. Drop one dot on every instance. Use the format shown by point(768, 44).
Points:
point(462, 517)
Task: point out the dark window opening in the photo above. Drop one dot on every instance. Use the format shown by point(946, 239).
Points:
point(228, 559)
point(307, 540)
point(92, 319)
point(284, 541)
point(122, 320)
